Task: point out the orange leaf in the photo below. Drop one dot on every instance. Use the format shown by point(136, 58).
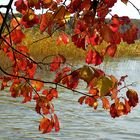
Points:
point(1, 19)
point(37, 85)
point(127, 107)
point(56, 123)
point(91, 102)
point(81, 99)
point(120, 107)
point(114, 93)
point(95, 104)
point(60, 13)
point(45, 21)
point(44, 125)
point(93, 91)
point(105, 102)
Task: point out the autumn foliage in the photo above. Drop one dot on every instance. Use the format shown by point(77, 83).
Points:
point(89, 28)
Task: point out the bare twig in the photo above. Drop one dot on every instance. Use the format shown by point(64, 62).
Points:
point(42, 81)
point(5, 17)
point(134, 7)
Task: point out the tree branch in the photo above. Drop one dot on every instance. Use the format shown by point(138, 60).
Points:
point(5, 17)
point(45, 82)
point(134, 7)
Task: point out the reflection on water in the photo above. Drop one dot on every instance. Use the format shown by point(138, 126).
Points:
point(20, 121)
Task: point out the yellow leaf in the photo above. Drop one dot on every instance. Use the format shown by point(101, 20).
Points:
point(104, 84)
point(86, 74)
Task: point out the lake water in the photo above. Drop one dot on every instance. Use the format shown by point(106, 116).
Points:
point(20, 121)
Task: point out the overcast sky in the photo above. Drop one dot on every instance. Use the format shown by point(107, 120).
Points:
point(120, 8)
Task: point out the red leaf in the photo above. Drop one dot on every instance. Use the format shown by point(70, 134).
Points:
point(66, 69)
point(115, 20)
point(15, 89)
point(109, 36)
point(130, 35)
point(102, 11)
point(34, 3)
point(14, 23)
point(17, 36)
point(55, 65)
point(5, 80)
point(93, 57)
point(133, 97)
point(45, 110)
point(37, 85)
point(94, 39)
point(114, 27)
point(56, 123)
point(74, 6)
point(125, 1)
point(22, 49)
point(71, 81)
point(125, 20)
point(96, 58)
point(63, 38)
point(89, 56)
point(32, 69)
point(79, 41)
point(127, 106)
point(45, 92)
point(81, 99)
point(122, 79)
point(113, 111)
point(44, 125)
point(111, 50)
point(21, 6)
point(49, 97)
point(29, 19)
point(36, 96)
point(26, 92)
point(90, 101)
point(110, 3)
point(58, 1)
point(54, 92)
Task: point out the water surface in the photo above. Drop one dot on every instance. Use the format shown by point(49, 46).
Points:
point(20, 121)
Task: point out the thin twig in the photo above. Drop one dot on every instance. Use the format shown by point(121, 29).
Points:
point(134, 7)
point(42, 81)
